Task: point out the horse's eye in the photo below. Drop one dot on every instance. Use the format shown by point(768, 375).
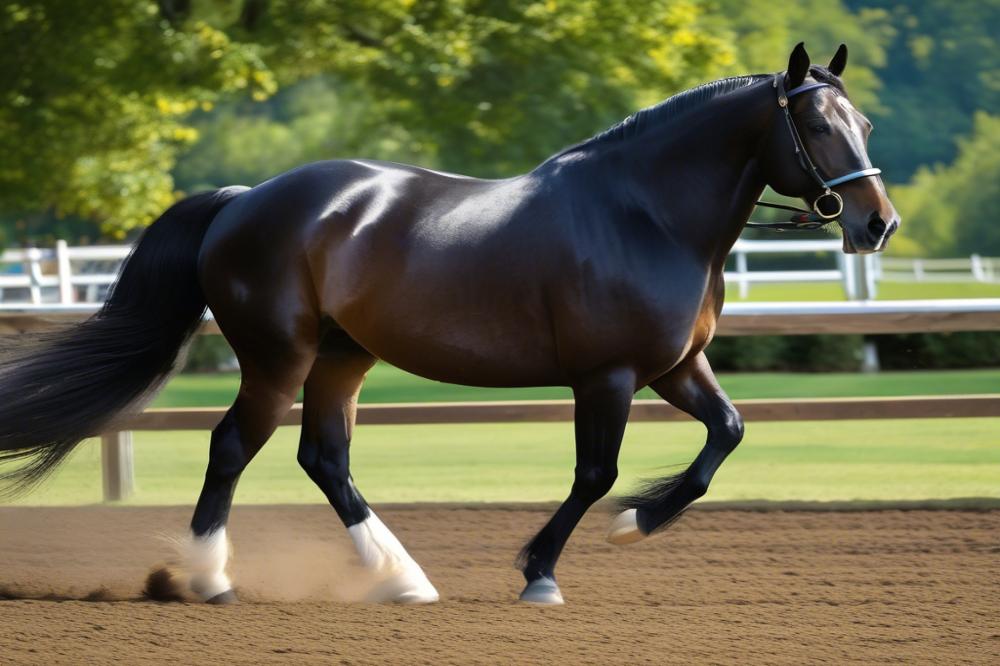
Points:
point(819, 128)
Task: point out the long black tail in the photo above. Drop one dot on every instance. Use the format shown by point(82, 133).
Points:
point(59, 388)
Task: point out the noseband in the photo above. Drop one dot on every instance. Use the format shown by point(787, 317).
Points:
point(817, 217)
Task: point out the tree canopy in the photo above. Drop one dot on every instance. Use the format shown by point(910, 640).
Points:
point(112, 110)
point(953, 208)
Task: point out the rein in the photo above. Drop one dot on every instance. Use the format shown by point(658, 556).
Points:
point(817, 217)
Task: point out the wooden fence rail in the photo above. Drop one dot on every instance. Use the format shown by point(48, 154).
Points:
point(116, 447)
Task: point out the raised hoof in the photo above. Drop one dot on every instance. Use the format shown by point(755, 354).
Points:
point(223, 598)
point(624, 528)
point(542, 591)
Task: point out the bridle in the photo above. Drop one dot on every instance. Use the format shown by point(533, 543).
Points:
point(815, 218)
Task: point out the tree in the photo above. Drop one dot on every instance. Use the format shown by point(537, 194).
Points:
point(763, 33)
point(97, 96)
point(953, 209)
point(491, 87)
point(93, 100)
point(943, 64)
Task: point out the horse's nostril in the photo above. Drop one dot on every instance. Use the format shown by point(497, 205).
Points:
point(876, 226)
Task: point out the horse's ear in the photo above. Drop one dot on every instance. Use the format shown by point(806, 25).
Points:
point(839, 61)
point(798, 66)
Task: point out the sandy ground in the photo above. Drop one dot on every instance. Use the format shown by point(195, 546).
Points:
point(720, 587)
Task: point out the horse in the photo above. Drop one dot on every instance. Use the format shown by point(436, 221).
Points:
point(601, 270)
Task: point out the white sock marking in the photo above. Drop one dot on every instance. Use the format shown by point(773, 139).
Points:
point(205, 559)
point(381, 552)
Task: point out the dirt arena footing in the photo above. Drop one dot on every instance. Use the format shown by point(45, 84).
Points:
point(721, 586)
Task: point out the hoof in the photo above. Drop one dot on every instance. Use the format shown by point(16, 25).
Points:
point(542, 591)
point(624, 529)
point(406, 588)
point(417, 597)
point(223, 599)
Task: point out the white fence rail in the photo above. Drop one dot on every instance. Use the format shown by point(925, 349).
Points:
point(846, 273)
point(971, 269)
point(65, 275)
point(61, 274)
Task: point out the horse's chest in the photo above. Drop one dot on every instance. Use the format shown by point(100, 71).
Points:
point(680, 324)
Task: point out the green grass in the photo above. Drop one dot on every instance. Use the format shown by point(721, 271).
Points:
point(388, 384)
point(829, 291)
point(816, 461)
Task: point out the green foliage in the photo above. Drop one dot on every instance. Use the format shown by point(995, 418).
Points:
point(764, 31)
point(100, 100)
point(319, 118)
point(93, 101)
point(208, 353)
point(810, 353)
point(939, 350)
point(943, 64)
point(949, 210)
point(488, 88)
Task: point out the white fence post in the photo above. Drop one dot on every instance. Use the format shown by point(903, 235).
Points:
point(34, 266)
point(976, 264)
point(868, 262)
point(116, 466)
point(65, 272)
point(850, 277)
point(741, 270)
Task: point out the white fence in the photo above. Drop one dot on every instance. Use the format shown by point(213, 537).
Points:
point(848, 272)
point(66, 275)
point(972, 269)
point(59, 275)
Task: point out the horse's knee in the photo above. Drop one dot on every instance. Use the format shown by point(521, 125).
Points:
point(593, 483)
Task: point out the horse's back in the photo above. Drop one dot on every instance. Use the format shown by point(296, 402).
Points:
point(425, 269)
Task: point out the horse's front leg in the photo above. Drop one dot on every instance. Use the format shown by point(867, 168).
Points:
point(692, 387)
point(602, 407)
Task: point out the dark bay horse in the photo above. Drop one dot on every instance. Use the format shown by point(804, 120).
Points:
point(601, 270)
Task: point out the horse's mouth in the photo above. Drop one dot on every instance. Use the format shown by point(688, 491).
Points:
point(849, 247)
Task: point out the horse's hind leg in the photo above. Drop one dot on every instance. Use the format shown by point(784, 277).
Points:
point(328, 413)
point(268, 388)
point(602, 407)
point(691, 387)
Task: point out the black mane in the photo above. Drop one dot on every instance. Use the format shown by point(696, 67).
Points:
point(670, 108)
point(684, 101)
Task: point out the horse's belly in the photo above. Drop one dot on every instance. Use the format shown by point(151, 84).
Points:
point(490, 341)
point(465, 356)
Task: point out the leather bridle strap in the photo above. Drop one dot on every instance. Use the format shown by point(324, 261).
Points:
point(817, 217)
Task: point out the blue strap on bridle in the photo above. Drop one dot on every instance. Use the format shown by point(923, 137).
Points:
point(854, 175)
point(805, 87)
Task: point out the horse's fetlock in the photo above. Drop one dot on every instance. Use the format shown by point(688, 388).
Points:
point(728, 433)
point(697, 485)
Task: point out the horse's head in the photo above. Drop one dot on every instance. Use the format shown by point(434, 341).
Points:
point(817, 149)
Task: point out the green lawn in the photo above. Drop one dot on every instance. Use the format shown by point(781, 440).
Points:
point(388, 384)
point(830, 291)
point(811, 461)
point(820, 461)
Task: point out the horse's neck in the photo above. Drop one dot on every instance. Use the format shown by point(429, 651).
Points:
point(699, 178)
